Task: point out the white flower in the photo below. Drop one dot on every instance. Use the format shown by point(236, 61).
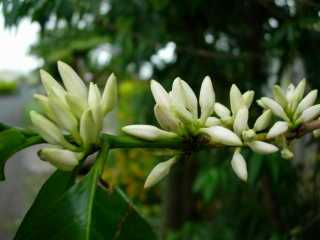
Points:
point(248, 98)
point(72, 81)
point(110, 94)
point(166, 119)
point(310, 113)
point(49, 131)
point(263, 121)
point(241, 120)
point(221, 110)
point(239, 165)
point(307, 101)
point(148, 132)
point(236, 99)
point(274, 107)
point(206, 98)
point(277, 129)
point(159, 172)
point(62, 159)
point(160, 95)
point(222, 135)
point(262, 147)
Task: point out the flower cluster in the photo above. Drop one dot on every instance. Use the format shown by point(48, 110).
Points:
point(74, 110)
point(177, 113)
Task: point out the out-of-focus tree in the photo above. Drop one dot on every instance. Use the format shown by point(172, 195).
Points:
point(250, 43)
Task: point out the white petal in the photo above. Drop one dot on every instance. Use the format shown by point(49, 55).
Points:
point(49, 131)
point(248, 98)
point(44, 103)
point(94, 96)
point(310, 113)
point(279, 96)
point(290, 93)
point(263, 121)
point(299, 91)
point(222, 135)
point(274, 107)
point(63, 116)
point(206, 98)
point(190, 98)
point(236, 100)
point(110, 94)
point(277, 129)
point(62, 159)
point(160, 94)
point(221, 110)
point(262, 147)
point(159, 172)
point(241, 120)
point(166, 118)
point(239, 166)
point(307, 101)
point(72, 81)
point(148, 132)
point(51, 85)
point(76, 107)
point(212, 121)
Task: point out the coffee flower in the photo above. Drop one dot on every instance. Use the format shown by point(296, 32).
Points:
point(291, 107)
point(231, 128)
point(178, 116)
point(74, 109)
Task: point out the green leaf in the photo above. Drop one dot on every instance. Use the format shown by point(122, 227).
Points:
point(85, 211)
point(11, 141)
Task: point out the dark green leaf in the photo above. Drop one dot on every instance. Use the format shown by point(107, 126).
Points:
point(85, 211)
point(11, 141)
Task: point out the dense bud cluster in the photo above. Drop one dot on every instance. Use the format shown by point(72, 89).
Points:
point(177, 114)
point(78, 111)
point(71, 109)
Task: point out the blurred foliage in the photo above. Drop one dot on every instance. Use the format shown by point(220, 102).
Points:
point(251, 43)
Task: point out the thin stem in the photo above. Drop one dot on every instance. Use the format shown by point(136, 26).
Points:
point(131, 142)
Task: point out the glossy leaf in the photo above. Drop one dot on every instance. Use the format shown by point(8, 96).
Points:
point(11, 141)
point(85, 211)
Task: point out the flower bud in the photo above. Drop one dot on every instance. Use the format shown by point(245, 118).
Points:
point(222, 135)
point(160, 95)
point(110, 94)
point(239, 165)
point(290, 93)
point(262, 147)
point(159, 172)
point(49, 131)
point(166, 118)
point(76, 107)
point(206, 98)
point(72, 81)
point(183, 114)
point(148, 132)
point(52, 86)
point(286, 154)
point(221, 110)
point(236, 100)
point(88, 128)
point(274, 107)
point(307, 102)
point(248, 98)
point(279, 96)
point(298, 93)
point(241, 120)
point(64, 160)
point(63, 116)
point(212, 121)
point(44, 102)
point(277, 129)
point(190, 98)
point(310, 113)
point(263, 121)
point(94, 96)
point(261, 104)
